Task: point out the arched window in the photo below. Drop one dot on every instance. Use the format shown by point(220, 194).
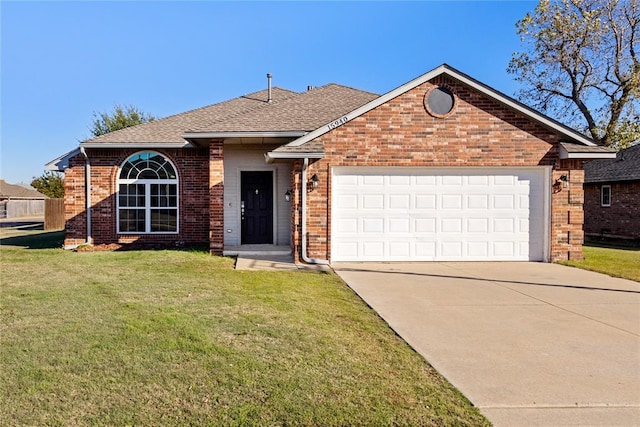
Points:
point(147, 195)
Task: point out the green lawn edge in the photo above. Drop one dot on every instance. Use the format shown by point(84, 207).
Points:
point(616, 262)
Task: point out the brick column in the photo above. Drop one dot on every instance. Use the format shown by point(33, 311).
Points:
point(567, 216)
point(296, 206)
point(216, 198)
point(75, 214)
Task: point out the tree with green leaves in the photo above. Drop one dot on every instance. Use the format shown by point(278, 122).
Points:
point(50, 184)
point(119, 118)
point(580, 64)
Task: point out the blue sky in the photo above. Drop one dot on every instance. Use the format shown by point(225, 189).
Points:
point(63, 61)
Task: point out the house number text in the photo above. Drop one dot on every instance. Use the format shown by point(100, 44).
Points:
point(339, 122)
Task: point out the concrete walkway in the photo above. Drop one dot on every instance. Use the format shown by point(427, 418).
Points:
point(530, 344)
point(274, 263)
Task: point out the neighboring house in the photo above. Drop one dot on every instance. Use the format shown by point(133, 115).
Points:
point(612, 196)
point(17, 201)
point(440, 168)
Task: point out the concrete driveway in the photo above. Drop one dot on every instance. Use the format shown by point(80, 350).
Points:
point(530, 344)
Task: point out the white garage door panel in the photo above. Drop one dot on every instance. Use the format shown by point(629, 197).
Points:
point(451, 214)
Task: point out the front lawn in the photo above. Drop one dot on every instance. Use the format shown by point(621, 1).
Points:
point(181, 338)
point(623, 263)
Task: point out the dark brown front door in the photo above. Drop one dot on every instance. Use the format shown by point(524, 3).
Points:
point(256, 207)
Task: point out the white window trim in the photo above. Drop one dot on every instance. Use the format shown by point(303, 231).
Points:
point(147, 190)
point(602, 203)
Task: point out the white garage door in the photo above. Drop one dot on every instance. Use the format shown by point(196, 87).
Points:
point(448, 214)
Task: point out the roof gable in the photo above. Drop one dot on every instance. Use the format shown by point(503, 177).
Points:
point(625, 167)
point(443, 70)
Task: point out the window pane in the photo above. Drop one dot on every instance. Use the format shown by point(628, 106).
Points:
point(164, 220)
point(126, 168)
point(606, 196)
point(148, 174)
point(122, 196)
point(132, 220)
point(164, 195)
point(131, 195)
point(156, 158)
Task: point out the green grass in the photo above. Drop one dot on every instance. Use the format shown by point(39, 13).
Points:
point(624, 263)
point(181, 338)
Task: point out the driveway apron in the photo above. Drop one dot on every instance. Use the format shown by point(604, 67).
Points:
point(530, 344)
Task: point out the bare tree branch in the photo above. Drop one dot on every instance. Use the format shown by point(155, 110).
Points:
point(580, 60)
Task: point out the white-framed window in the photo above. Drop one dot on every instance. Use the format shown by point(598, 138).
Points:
point(605, 195)
point(147, 199)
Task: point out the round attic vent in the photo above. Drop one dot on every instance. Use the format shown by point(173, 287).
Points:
point(439, 101)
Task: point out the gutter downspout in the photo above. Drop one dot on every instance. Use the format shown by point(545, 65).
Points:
point(305, 258)
point(87, 184)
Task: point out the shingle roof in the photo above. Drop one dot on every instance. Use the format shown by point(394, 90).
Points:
point(625, 167)
point(288, 111)
point(18, 191)
point(306, 111)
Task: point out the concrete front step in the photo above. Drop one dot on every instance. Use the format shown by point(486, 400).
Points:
point(256, 250)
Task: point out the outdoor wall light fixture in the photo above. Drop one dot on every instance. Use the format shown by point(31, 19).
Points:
point(315, 181)
point(287, 196)
point(562, 181)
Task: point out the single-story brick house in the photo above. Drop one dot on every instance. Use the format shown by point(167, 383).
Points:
point(612, 196)
point(440, 168)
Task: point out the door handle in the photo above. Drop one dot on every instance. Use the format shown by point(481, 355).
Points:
point(242, 210)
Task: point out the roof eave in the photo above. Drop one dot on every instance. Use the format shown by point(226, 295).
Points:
point(604, 153)
point(258, 134)
point(136, 144)
point(586, 156)
point(271, 156)
point(61, 163)
point(611, 180)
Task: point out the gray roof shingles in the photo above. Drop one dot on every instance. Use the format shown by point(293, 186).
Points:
point(307, 111)
point(288, 111)
point(17, 191)
point(625, 167)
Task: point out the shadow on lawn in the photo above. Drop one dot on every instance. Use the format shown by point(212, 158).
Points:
point(46, 240)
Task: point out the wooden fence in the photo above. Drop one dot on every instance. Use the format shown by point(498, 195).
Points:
point(54, 214)
point(20, 208)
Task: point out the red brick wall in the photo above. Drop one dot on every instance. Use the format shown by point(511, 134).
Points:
point(567, 215)
point(74, 202)
point(296, 199)
point(479, 132)
point(192, 167)
point(216, 198)
point(621, 219)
